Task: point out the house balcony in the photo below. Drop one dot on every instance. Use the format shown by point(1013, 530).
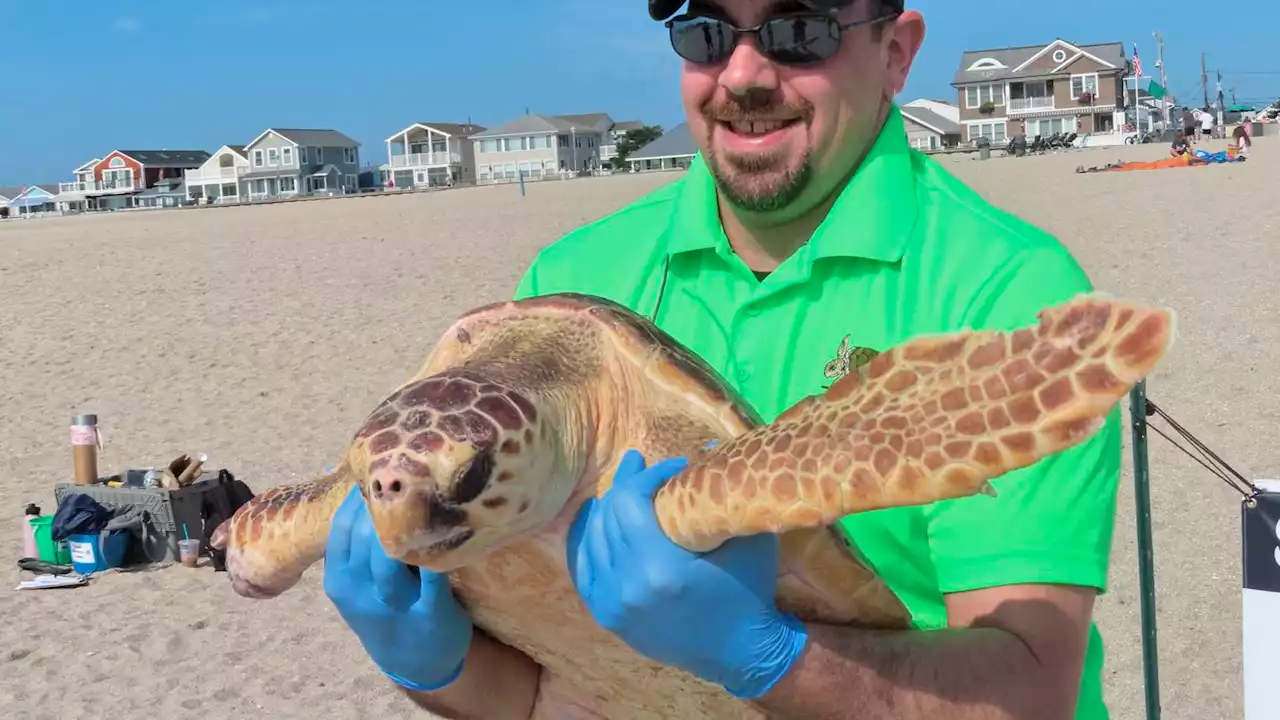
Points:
point(608, 152)
point(1030, 104)
point(97, 188)
point(421, 160)
point(215, 175)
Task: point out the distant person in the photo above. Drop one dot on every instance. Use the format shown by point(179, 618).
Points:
point(1180, 146)
point(1189, 124)
point(1242, 140)
point(1206, 125)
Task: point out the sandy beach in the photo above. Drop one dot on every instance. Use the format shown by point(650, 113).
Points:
point(263, 336)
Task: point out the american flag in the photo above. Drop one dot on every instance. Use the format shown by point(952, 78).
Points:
point(1137, 62)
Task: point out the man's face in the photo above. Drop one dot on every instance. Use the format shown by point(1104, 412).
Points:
point(773, 134)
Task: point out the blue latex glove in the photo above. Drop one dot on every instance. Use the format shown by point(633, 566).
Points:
point(711, 614)
point(406, 618)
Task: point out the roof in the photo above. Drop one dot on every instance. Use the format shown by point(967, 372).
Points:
point(12, 191)
point(931, 120)
point(462, 130)
point(627, 125)
point(312, 137)
point(176, 187)
point(526, 124)
point(1003, 63)
point(596, 120)
point(239, 150)
point(676, 142)
point(168, 158)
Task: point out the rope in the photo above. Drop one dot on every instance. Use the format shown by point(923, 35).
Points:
point(1211, 462)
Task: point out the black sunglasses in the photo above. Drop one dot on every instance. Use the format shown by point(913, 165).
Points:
point(800, 39)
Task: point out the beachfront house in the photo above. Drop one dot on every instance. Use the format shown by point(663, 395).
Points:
point(672, 150)
point(72, 196)
point(943, 108)
point(115, 181)
point(1041, 90)
point(431, 154)
point(218, 179)
point(540, 146)
point(29, 200)
point(928, 131)
point(609, 150)
point(286, 162)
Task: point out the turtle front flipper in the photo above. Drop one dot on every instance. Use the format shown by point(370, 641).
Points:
point(933, 419)
point(272, 539)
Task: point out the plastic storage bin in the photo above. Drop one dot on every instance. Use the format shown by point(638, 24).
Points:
point(169, 510)
point(96, 553)
point(51, 552)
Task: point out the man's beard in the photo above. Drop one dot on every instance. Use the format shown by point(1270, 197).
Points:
point(759, 182)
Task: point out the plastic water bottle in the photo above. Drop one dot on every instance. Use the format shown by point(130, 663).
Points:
point(29, 548)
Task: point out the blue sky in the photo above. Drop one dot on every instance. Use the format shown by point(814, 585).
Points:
point(86, 77)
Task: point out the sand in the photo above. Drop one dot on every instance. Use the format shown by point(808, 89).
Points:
point(262, 336)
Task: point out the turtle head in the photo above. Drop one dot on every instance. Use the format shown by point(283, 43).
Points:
point(456, 465)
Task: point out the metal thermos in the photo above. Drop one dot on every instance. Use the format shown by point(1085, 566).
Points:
point(29, 547)
point(85, 443)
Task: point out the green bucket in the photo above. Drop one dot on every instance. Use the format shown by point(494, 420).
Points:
point(51, 552)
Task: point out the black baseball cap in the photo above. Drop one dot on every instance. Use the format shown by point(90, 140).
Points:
point(664, 9)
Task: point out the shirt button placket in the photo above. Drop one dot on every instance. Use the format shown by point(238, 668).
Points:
point(745, 338)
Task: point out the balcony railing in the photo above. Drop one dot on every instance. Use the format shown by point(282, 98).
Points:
point(1031, 103)
point(199, 176)
point(96, 187)
point(425, 159)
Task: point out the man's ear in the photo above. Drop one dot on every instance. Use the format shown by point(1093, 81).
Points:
point(906, 35)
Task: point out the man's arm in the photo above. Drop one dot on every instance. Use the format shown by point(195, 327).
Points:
point(498, 682)
point(1010, 652)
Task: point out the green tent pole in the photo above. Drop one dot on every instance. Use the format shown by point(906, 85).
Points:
point(1146, 562)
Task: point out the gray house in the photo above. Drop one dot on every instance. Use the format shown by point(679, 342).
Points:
point(285, 162)
point(672, 150)
point(540, 146)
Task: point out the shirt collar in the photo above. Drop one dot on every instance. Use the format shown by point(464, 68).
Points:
point(872, 217)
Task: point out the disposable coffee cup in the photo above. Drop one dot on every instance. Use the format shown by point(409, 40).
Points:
point(189, 552)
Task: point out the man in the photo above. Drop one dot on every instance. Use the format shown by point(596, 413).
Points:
point(806, 236)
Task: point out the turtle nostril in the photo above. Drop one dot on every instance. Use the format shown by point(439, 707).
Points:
point(387, 491)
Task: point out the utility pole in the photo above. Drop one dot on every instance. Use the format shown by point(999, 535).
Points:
point(1204, 80)
point(1233, 96)
point(1164, 82)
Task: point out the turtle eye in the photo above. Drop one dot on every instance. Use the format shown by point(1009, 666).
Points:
point(474, 479)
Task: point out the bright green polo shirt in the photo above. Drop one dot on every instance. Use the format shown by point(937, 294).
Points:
point(907, 249)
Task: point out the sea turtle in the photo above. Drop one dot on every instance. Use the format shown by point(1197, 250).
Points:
point(476, 466)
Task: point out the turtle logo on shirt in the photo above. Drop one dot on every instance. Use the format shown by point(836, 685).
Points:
point(847, 359)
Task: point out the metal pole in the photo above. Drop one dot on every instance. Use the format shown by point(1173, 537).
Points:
point(1146, 554)
point(521, 173)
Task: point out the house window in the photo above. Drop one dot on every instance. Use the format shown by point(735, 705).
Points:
point(563, 140)
point(302, 156)
point(992, 131)
point(116, 162)
point(286, 156)
point(975, 95)
point(349, 155)
point(591, 141)
point(288, 184)
point(352, 182)
point(257, 158)
point(273, 157)
point(319, 155)
point(484, 172)
point(1080, 84)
